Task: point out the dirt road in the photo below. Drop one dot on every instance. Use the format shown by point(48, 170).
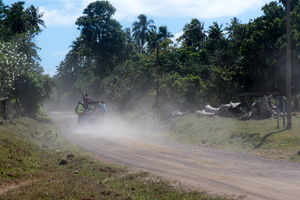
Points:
point(220, 172)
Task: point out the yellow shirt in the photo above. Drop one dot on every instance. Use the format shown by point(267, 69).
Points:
point(79, 109)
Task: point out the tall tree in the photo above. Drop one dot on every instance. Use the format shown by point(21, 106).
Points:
point(102, 34)
point(193, 34)
point(16, 20)
point(132, 45)
point(262, 59)
point(35, 17)
point(217, 45)
point(32, 84)
point(163, 33)
point(154, 40)
point(157, 37)
point(215, 37)
point(232, 28)
point(141, 29)
point(3, 10)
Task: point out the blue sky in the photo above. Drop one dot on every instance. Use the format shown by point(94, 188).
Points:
point(60, 17)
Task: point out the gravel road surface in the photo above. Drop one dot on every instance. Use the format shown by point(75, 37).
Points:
point(219, 172)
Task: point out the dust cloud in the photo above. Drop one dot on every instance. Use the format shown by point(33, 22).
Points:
point(110, 127)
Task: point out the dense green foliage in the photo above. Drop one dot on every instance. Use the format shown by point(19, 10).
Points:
point(21, 76)
point(203, 66)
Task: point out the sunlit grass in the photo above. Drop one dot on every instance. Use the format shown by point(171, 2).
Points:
point(259, 137)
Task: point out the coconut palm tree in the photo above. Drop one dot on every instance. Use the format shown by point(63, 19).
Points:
point(164, 33)
point(15, 20)
point(154, 38)
point(18, 20)
point(141, 29)
point(231, 28)
point(216, 37)
point(193, 34)
point(34, 17)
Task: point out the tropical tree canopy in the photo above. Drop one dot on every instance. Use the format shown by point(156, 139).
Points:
point(204, 66)
point(21, 76)
point(193, 34)
point(141, 30)
point(102, 37)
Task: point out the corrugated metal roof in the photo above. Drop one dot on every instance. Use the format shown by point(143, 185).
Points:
point(3, 98)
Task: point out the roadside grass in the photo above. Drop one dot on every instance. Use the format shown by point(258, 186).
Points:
point(258, 137)
point(37, 162)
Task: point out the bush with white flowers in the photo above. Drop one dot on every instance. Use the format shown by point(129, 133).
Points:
point(12, 64)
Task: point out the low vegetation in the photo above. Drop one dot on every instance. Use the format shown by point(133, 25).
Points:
point(258, 137)
point(38, 163)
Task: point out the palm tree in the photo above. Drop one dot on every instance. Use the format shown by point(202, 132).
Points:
point(129, 38)
point(34, 17)
point(215, 37)
point(3, 9)
point(20, 21)
point(15, 20)
point(155, 38)
point(141, 29)
point(164, 33)
point(215, 31)
point(194, 34)
point(231, 28)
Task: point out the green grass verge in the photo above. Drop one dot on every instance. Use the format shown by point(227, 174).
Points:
point(30, 156)
point(259, 137)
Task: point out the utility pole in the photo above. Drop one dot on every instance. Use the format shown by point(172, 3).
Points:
point(157, 73)
point(288, 66)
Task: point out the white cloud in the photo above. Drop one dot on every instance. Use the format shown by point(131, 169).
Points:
point(56, 17)
point(65, 12)
point(176, 36)
point(188, 8)
point(60, 12)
